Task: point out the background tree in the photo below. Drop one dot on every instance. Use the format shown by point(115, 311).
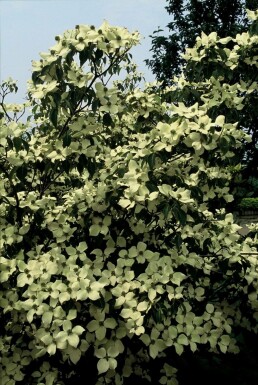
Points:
point(189, 19)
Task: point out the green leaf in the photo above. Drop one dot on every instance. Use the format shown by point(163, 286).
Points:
point(158, 314)
point(5, 199)
point(84, 55)
point(107, 120)
point(95, 105)
point(21, 172)
point(46, 69)
point(151, 187)
point(91, 166)
point(109, 196)
point(98, 54)
point(73, 100)
point(166, 210)
point(254, 28)
point(179, 214)
point(178, 240)
point(17, 143)
point(53, 116)
point(60, 77)
point(151, 161)
point(223, 54)
point(82, 164)
point(25, 145)
point(121, 172)
point(196, 192)
point(67, 139)
point(69, 57)
point(66, 164)
point(224, 145)
point(35, 75)
point(10, 142)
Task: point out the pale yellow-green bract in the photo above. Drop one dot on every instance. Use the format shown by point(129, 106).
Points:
point(114, 238)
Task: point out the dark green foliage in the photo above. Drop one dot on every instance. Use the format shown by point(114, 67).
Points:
point(249, 204)
point(189, 19)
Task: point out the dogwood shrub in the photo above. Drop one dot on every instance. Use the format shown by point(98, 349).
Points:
point(116, 248)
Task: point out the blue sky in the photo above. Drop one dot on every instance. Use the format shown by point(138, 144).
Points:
point(29, 27)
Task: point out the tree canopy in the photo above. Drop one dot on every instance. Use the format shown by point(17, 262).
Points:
point(189, 19)
point(117, 254)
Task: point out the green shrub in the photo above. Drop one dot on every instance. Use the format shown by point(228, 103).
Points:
point(117, 254)
point(249, 203)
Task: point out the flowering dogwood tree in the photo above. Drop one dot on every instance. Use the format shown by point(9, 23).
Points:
point(116, 250)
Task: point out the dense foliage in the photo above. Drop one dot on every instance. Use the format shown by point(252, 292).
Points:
point(189, 18)
point(117, 255)
point(249, 203)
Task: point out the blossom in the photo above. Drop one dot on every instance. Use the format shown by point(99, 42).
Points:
point(122, 293)
point(69, 335)
point(140, 252)
point(252, 15)
point(155, 344)
point(41, 90)
point(28, 272)
point(59, 152)
point(100, 225)
point(106, 360)
point(100, 325)
point(7, 268)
